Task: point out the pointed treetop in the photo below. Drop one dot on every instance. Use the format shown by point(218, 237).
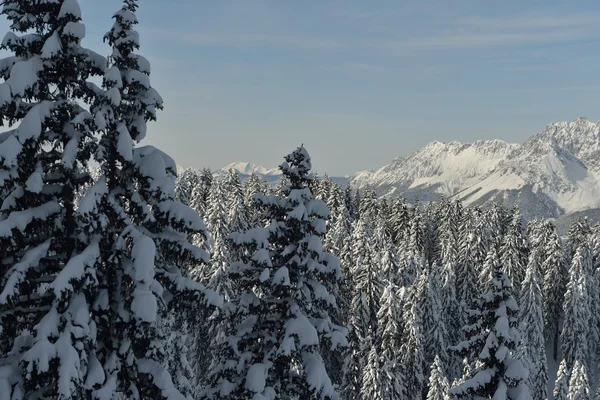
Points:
point(297, 166)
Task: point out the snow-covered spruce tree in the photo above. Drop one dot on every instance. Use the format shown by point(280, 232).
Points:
point(185, 184)
point(145, 246)
point(466, 271)
point(371, 381)
point(367, 288)
point(238, 216)
point(387, 254)
point(561, 386)
point(492, 262)
point(579, 233)
point(451, 310)
point(555, 281)
point(201, 191)
point(491, 341)
point(436, 334)
point(389, 321)
point(513, 253)
point(576, 327)
point(399, 221)
point(438, 388)
point(532, 350)
point(413, 338)
point(282, 301)
point(48, 280)
point(579, 386)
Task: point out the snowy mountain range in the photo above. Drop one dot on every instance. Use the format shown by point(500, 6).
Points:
point(554, 174)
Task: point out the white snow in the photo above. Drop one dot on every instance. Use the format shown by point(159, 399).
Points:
point(124, 142)
point(9, 150)
point(70, 7)
point(256, 377)
point(52, 46)
point(74, 29)
point(75, 269)
point(20, 219)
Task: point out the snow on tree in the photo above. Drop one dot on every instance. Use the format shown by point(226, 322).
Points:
point(389, 317)
point(439, 388)
point(413, 341)
point(367, 289)
point(146, 245)
point(491, 340)
point(280, 311)
point(185, 184)
point(579, 387)
point(48, 273)
point(532, 350)
point(387, 255)
point(555, 281)
point(579, 234)
point(436, 334)
point(371, 380)
point(576, 326)
point(238, 216)
point(561, 386)
point(466, 272)
point(513, 253)
point(400, 221)
point(492, 262)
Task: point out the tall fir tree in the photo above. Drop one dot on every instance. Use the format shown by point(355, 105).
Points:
point(438, 388)
point(579, 386)
point(491, 340)
point(413, 340)
point(146, 245)
point(561, 386)
point(389, 320)
point(48, 280)
point(555, 281)
point(576, 327)
point(280, 313)
point(532, 351)
point(513, 253)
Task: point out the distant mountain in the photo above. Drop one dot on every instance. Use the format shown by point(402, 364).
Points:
point(553, 174)
point(245, 168)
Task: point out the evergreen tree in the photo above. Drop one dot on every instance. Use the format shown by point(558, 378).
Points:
point(555, 281)
point(492, 339)
point(513, 253)
point(389, 317)
point(185, 184)
point(280, 311)
point(438, 383)
point(436, 334)
point(532, 350)
point(466, 274)
point(201, 191)
point(145, 246)
point(371, 380)
point(576, 327)
point(579, 387)
point(492, 262)
point(413, 341)
point(561, 386)
point(48, 273)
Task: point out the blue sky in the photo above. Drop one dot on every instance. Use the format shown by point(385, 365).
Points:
point(358, 82)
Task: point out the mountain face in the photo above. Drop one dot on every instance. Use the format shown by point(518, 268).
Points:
point(554, 173)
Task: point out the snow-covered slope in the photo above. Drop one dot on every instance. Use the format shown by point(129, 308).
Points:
point(245, 168)
point(553, 173)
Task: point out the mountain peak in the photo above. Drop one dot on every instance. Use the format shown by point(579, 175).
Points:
point(247, 168)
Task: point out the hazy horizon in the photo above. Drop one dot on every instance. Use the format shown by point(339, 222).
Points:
point(359, 84)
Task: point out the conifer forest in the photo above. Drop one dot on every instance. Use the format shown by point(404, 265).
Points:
point(122, 279)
